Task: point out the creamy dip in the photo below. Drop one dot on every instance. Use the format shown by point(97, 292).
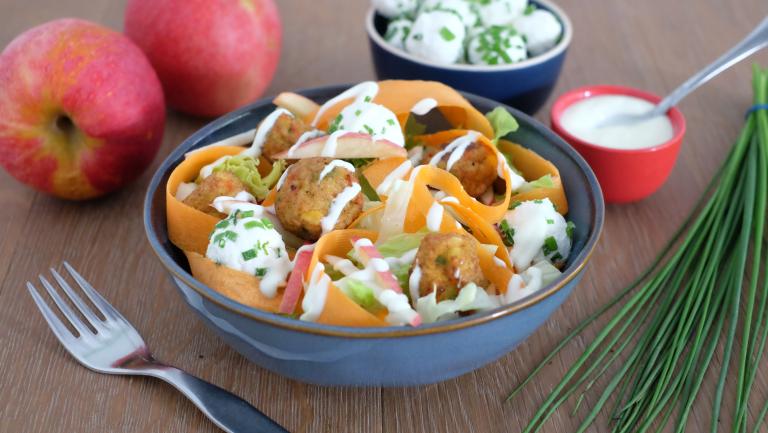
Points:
point(582, 118)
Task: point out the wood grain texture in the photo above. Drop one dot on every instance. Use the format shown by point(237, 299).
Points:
point(651, 44)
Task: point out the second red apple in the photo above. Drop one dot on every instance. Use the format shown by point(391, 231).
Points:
point(212, 56)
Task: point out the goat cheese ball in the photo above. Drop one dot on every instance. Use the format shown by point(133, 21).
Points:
point(397, 31)
point(541, 29)
point(462, 8)
point(496, 46)
point(537, 231)
point(500, 12)
point(395, 8)
point(437, 36)
point(247, 241)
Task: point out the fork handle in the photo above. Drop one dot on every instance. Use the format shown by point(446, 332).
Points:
point(228, 411)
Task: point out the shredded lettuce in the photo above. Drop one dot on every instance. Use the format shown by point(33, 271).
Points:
point(361, 294)
point(502, 122)
point(398, 245)
point(246, 169)
point(542, 182)
point(549, 272)
point(470, 298)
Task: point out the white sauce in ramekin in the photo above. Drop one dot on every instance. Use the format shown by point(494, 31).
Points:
point(581, 119)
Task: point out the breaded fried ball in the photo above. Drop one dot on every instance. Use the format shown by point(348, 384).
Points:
point(284, 134)
point(220, 183)
point(476, 169)
point(303, 199)
point(448, 262)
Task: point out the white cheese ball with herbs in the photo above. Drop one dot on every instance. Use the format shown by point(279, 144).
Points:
point(369, 118)
point(462, 8)
point(538, 231)
point(541, 29)
point(496, 46)
point(395, 8)
point(500, 12)
point(397, 31)
point(437, 36)
point(248, 242)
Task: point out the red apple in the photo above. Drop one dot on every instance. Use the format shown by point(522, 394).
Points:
point(81, 110)
point(212, 56)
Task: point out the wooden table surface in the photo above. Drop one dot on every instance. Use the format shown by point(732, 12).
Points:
point(650, 44)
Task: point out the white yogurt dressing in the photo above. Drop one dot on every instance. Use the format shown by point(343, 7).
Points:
point(533, 222)
point(413, 282)
point(435, 217)
point(361, 92)
point(333, 164)
point(309, 135)
point(583, 117)
point(516, 181)
point(315, 294)
point(424, 106)
point(331, 143)
point(207, 170)
point(456, 149)
point(328, 222)
point(250, 244)
point(398, 173)
point(263, 130)
point(281, 181)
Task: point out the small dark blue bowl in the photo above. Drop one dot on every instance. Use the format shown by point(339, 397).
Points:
point(391, 356)
point(525, 85)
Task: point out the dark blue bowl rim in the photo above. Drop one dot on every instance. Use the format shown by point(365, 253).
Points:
point(578, 264)
point(553, 52)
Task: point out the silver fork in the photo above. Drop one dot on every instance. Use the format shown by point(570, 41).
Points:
point(117, 348)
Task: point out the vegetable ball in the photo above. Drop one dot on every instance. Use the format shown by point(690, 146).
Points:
point(220, 183)
point(447, 262)
point(318, 195)
point(475, 169)
point(284, 134)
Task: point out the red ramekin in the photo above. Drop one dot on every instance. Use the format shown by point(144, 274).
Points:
point(625, 175)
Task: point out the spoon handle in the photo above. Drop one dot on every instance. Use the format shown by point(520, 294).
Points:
point(754, 41)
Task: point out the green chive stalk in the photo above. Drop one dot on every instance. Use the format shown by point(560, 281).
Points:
point(710, 281)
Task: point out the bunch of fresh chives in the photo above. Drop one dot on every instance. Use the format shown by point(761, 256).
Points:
point(709, 280)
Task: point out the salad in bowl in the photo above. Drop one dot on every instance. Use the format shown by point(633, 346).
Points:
point(395, 203)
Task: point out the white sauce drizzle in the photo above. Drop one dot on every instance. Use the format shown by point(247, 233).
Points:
point(449, 199)
point(309, 135)
point(345, 266)
point(435, 217)
point(499, 262)
point(261, 133)
point(331, 143)
point(315, 295)
point(359, 92)
point(184, 190)
point(413, 282)
point(281, 181)
point(397, 173)
point(208, 169)
point(457, 148)
point(424, 106)
point(333, 164)
point(502, 166)
point(338, 204)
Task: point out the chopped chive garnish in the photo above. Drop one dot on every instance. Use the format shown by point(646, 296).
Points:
point(391, 122)
point(260, 272)
point(550, 221)
point(447, 34)
point(507, 233)
point(249, 254)
point(550, 245)
point(440, 260)
point(569, 229)
point(246, 214)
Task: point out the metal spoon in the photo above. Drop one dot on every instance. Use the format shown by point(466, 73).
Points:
point(755, 41)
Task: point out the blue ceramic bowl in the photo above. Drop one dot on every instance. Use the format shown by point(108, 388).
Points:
point(392, 356)
point(525, 85)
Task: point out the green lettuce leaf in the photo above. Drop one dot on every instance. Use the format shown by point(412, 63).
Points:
point(502, 122)
point(361, 294)
point(246, 169)
point(398, 245)
point(542, 182)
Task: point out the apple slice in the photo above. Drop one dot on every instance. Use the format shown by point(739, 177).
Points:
point(349, 145)
point(300, 106)
point(368, 253)
point(295, 284)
